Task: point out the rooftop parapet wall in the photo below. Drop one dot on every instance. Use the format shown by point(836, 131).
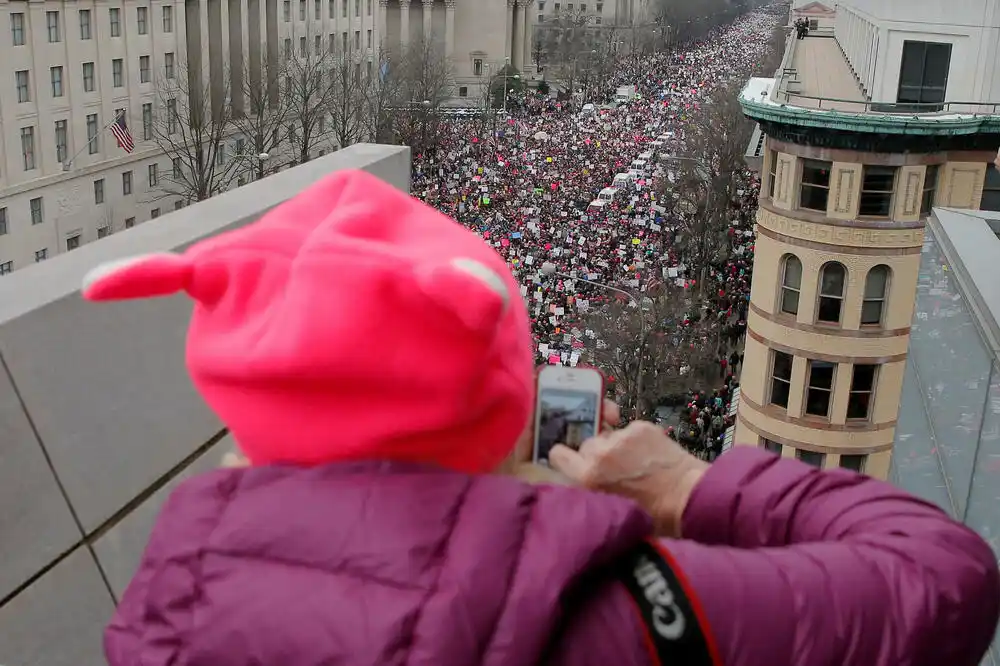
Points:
point(98, 419)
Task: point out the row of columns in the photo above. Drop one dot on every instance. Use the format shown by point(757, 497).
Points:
point(518, 33)
point(428, 9)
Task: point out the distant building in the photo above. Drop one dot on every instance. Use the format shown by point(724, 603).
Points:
point(70, 68)
point(865, 128)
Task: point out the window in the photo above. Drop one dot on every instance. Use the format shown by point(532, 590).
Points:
point(791, 284)
point(102, 232)
point(357, 7)
point(3, 221)
point(88, 77)
point(143, 69)
point(115, 18)
point(332, 8)
point(178, 204)
point(811, 457)
point(52, 25)
point(368, 7)
point(343, 7)
point(343, 42)
point(930, 187)
point(288, 49)
point(41, 255)
point(463, 91)
point(61, 141)
point(168, 18)
point(923, 75)
point(147, 121)
point(302, 46)
point(126, 183)
point(815, 188)
point(72, 242)
point(117, 73)
point(318, 46)
point(771, 447)
point(241, 145)
point(855, 463)
point(859, 402)
point(541, 5)
point(819, 388)
point(556, 7)
point(287, 10)
point(99, 191)
point(142, 19)
point(175, 167)
point(832, 279)
point(220, 154)
point(772, 173)
point(35, 205)
point(129, 222)
point(991, 189)
point(86, 30)
point(6, 267)
point(168, 65)
point(877, 184)
point(318, 10)
point(873, 304)
point(56, 76)
point(368, 39)
point(302, 10)
point(597, 20)
point(477, 67)
point(23, 82)
point(155, 213)
point(28, 147)
point(171, 116)
point(17, 28)
point(781, 378)
point(93, 141)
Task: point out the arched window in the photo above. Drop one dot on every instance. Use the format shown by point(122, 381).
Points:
point(876, 288)
point(832, 280)
point(791, 284)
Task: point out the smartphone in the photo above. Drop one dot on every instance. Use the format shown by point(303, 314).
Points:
point(567, 408)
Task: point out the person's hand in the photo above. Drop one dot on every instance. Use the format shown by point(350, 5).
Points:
point(639, 462)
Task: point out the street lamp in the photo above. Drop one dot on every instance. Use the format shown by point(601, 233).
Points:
point(548, 268)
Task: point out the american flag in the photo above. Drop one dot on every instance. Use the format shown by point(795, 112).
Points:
point(120, 129)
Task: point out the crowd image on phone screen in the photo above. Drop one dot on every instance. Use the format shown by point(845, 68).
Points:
point(565, 417)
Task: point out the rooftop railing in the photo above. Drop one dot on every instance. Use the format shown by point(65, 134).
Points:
point(888, 108)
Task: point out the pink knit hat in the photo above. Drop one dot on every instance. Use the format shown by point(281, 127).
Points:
point(351, 322)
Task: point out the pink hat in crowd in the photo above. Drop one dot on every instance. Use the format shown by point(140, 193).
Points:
point(351, 322)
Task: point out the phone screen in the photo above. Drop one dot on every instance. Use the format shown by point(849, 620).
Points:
point(565, 416)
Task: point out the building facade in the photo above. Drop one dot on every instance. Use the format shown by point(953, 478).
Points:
point(73, 67)
point(849, 178)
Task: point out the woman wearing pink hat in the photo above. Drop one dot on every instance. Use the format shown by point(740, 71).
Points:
point(374, 362)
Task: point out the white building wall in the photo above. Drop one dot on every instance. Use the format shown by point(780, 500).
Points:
point(70, 212)
point(872, 33)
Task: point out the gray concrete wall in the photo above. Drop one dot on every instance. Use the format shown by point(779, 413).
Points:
point(98, 420)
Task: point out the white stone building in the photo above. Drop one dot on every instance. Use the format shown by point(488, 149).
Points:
point(69, 66)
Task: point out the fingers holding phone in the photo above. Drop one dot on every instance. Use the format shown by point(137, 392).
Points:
point(569, 403)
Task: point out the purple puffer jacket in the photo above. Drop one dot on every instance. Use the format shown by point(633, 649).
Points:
point(386, 564)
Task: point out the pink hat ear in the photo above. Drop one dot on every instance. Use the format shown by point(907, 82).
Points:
point(475, 293)
point(138, 277)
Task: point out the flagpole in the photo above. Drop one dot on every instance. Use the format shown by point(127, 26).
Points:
point(69, 163)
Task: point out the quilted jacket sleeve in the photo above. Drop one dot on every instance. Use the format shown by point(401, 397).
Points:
point(794, 565)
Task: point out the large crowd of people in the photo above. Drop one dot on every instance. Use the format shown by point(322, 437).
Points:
point(526, 185)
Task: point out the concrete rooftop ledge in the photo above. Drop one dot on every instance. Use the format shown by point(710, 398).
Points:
point(98, 419)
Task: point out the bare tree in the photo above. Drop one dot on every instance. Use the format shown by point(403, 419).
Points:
point(566, 39)
point(263, 119)
point(308, 91)
point(346, 100)
point(426, 81)
point(191, 126)
point(380, 96)
point(659, 350)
